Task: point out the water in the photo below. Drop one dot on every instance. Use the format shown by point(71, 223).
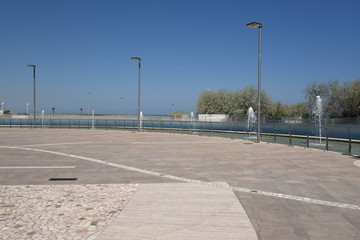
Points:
point(42, 118)
point(318, 112)
point(141, 120)
point(192, 118)
point(251, 119)
point(93, 120)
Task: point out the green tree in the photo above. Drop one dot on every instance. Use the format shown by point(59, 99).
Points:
point(208, 103)
point(339, 99)
point(281, 110)
point(351, 99)
point(298, 110)
point(232, 103)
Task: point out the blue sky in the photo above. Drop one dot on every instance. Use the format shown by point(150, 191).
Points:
point(186, 46)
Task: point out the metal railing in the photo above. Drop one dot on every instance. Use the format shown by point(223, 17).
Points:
point(344, 139)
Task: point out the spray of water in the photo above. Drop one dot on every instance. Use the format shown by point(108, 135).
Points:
point(251, 118)
point(192, 118)
point(318, 111)
point(141, 120)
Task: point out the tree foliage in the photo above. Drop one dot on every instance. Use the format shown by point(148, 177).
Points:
point(295, 110)
point(339, 99)
point(233, 103)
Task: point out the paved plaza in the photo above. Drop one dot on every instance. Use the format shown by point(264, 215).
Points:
point(141, 185)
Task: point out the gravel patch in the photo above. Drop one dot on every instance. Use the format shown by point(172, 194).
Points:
point(60, 211)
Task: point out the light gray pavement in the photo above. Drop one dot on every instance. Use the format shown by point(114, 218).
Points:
point(287, 192)
point(181, 211)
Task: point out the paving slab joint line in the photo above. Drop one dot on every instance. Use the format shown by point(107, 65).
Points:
point(237, 189)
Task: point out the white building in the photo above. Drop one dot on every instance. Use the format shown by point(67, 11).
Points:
point(213, 117)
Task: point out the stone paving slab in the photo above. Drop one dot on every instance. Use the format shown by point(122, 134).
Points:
point(181, 211)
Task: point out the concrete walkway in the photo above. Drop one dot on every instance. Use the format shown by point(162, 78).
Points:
point(181, 211)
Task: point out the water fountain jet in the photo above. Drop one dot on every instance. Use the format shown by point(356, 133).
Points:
point(141, 121)
point(318, 112)
point(251, 120)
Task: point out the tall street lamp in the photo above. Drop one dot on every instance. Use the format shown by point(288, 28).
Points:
point(259, 26)
point(139, 61)
point(34, 66)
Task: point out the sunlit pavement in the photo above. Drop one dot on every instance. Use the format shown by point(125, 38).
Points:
point(287, 192)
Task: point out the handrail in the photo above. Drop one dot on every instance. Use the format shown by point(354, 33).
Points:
point(275, 132)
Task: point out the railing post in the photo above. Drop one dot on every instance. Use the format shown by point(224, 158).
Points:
point(327, 139)
point(290, 139)
point(248, 132)
point(349, 141)
point(274, 133)
point(307, 137)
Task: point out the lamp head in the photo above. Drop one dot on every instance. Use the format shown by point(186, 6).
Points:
point(254, 25)
point(136, 58)
point(33, 66)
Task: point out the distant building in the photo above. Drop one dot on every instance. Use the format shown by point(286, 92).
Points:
point(213, 117)
point(179, 115)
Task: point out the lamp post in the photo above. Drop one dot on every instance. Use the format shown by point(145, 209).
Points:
point(27, 108)
point(139, 66)
point(259, 26)
point(34, 66)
